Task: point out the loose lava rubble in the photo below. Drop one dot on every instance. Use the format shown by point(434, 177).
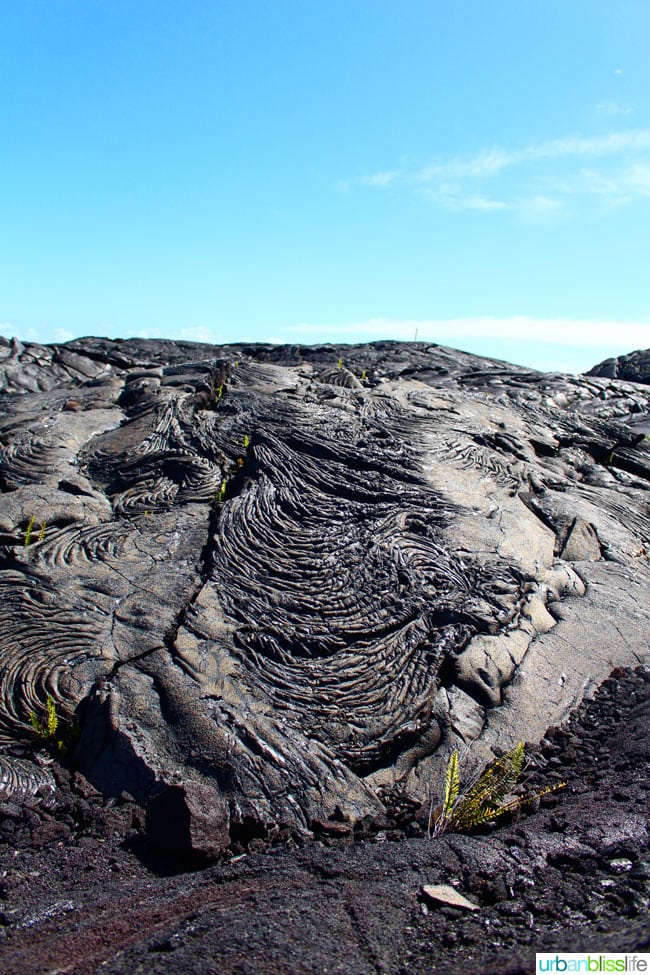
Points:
point(268, 591)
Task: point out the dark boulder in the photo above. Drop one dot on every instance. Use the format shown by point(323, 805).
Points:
point(190, 820)
point(633, 368)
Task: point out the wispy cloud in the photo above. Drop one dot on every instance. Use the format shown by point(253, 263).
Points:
point(381, 179)
point(614, 143)
point(188, 333)
point(201, 333)
point(486, 163)
point(41, 334)
point(63, 335)
point(535, 180)
point(454, 198)
point(638, 177)
point(613, 110)
point(562, 344)
point(625, 184)
point(558, 331)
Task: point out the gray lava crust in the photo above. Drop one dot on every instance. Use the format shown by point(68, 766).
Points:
point(297, 577)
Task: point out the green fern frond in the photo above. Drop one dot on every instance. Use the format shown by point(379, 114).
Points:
point(469, 817)
point(487, 798)
point(452, 784)
point(498, 779)
point(46, 727)
point(520, 801)
point(52, 719)
point(28, 531)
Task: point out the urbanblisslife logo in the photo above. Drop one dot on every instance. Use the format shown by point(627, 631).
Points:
point(592, 962)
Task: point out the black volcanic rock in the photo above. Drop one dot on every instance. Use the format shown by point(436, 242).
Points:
point(633, 368)
point(299, 575)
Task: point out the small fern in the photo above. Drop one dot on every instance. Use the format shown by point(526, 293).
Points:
point(452, 784)
point(56, 733)
point(28, 531)
point(45, 727)
point(486, 799)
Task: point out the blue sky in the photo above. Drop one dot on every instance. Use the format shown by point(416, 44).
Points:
point(476, 171)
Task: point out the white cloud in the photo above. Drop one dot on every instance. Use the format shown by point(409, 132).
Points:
point(561, 344)
point(610, 187)
point(490, 162)
point(638, 177)
point(478, 202)
point(539, 205)
point(614, 187)
point(190, 333)
point(487, 163)
point(63, 335)
point(613, 110)
point(201, 333)
point(381, 179)
point(454, 199)
point(40, 334)
point(532, 180)
point(615, 143)
point(559, 331)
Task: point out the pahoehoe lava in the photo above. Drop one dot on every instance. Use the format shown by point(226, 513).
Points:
point(298, 576)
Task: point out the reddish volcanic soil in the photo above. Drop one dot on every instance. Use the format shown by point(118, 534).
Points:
point(80, 891)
